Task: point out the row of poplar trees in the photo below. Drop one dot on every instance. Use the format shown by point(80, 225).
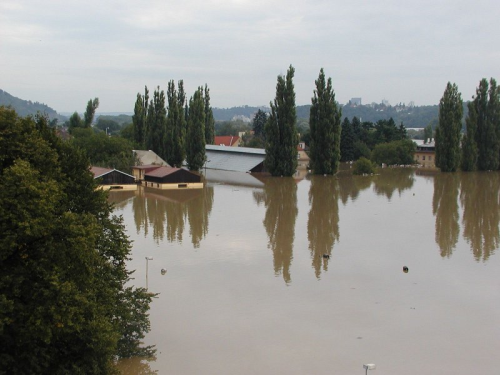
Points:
point(479, 147)
point(281, 130)
point(175, 129)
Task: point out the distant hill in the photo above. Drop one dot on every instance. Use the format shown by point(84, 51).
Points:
point(411, 116)
point(27, 107)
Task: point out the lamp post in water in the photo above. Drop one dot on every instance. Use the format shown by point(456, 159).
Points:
point(369, 366)
point(147, 266)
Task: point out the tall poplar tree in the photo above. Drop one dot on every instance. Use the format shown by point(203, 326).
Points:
point(195, 136)
point(89, 114)
point(157, 124)
point(209, 119)
point(448, 129)
point(324, 121)
point(139, 117)
point(469, 145)
point(176, 127)
point(347, 139)
point(485, 121)
point(281, 130)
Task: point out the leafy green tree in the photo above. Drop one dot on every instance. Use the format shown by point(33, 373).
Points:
point(139, 118)
point(448, 130)
point(259, 123)
point(469, 145)
point(157, 124)
point(75, 121)
point(428, 133)
point(195, 137)
point(324, 122)
point(104, 151)
point(280, 129)
point(485, 122)
point(361, 149)
point(209, 119)
point(88, 116)
point(347, 138)
point(65, 307)
point(363, 166)
point(107, 126)
point(394, 153)
point(176, 131)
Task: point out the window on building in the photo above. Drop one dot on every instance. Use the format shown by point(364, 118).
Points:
point(423, 157)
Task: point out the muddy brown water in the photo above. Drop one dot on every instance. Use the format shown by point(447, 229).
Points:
point(305, 275)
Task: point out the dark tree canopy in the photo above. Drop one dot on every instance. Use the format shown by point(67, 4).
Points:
point(483, 123)
point(209, 119)
point(448, 130)
point(195, 139)
point(139, 118)
point(88, 116)
point(281, 130)
point(157, 124)
point(259, 123)
point(65, 307)
point(176, 126)
point(347, 139)
point(324, 122)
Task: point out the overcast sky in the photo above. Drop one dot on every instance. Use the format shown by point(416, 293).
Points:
point(63, 52)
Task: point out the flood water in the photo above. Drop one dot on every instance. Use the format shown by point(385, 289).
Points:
point(305, 276)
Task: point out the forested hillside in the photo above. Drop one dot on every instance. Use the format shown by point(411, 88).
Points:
point(27, 107)
point(411, 116)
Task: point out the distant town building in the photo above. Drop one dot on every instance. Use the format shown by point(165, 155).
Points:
point(354, 102)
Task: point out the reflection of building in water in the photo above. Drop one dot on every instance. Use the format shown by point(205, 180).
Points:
point(481, 212)
point(120, 198)
point(280, 199)
point(168, 211)
point(217, 176)
point(323, 220)
point(445, 208)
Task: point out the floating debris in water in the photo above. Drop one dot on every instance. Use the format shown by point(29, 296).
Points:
point(405, 269)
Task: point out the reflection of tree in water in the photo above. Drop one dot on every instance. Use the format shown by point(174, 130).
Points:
point(323, 221)
point(166, 211)
point(350, 186)
point(198, 210)
point(481, 212)
point(445, 208)
point(136, 366)
point(280, 199)
point(392, 179)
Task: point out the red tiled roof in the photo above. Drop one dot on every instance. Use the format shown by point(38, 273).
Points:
point(99, 171)
point(162, 171)
point(226, 140)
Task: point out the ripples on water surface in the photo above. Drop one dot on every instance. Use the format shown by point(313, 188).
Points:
point(248, 290)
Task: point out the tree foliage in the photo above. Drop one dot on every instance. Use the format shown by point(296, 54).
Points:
point(394, 153)
point(209, 119)
point(448, 130)
point(195, 137)
point(324, 122)
point(65, 307)
point(363, 166)
point(280, 129)
point(347, 139)
point(483, 124)
point(259, 123)
point(139, 118)
point(469, 145)
point(176, 125)
point(88, 116)
point(156, 124)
